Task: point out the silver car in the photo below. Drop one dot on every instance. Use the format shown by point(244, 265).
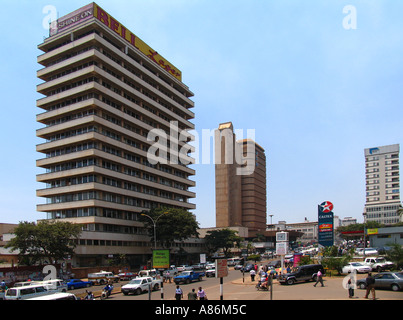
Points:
point(385, 280)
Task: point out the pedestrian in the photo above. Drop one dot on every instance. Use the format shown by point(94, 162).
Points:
point(252, 275)
point(319, 278)
point(370, 281)
point(350, 286)
point(178, 293)
point(192, 295)
point(201, 294)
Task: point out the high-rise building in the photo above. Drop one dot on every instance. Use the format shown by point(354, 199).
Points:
point(240, 195)
point(382, 178)
point(104, 91)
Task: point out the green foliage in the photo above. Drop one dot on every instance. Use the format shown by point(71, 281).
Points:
point(224, 239)
point(50, 240)
point(331, 260)
point(254, 257)
point(171, 224)
point(395, 255)
point(305, 260)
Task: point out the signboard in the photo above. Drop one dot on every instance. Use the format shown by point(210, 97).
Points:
point(94, 11)
point(202, 258)
point(281, 236)
point(281, 248)
point(161, 259)
point(325, 224)
point(372, 231)
point(221, 268)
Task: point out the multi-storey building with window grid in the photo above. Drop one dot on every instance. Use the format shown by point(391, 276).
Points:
point(104, 90)
point(382, 178)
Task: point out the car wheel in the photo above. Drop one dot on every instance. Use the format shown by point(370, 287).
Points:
point(71, 287)
point(290, 281)
point(88, 285)
point(395, 287)
point(156, 287)
point(187, 281)
point(362, 285)
point(138, 291)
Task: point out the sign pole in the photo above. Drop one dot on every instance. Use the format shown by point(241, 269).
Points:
point(221, 289)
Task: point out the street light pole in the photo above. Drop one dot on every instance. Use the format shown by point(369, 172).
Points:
point(365, 241)
point(154, 225)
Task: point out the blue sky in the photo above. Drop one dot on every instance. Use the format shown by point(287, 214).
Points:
point(315, 93)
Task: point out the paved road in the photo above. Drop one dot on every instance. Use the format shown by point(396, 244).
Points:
point(235, 288)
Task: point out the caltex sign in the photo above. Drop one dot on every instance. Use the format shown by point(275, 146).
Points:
point(325, 224)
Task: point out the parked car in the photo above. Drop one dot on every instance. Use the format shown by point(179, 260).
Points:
point(303, 273)
point(356, 267)
point(385, 280)
point(368, 251)
point(210, 273)
point(378, 263)
point(210, 266)
point(238, 267)
point(247, 268)
point(184, 267)
point(274, 264)
point(127, 275)
point(78, 283)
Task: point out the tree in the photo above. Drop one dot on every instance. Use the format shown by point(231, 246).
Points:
point(224, 239)
point(171, 224)
point(395, 254)
point(331, 259)
point(50, 240)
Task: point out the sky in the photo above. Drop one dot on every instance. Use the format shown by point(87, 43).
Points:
point(317, 81)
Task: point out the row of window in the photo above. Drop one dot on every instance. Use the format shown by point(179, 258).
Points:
point(111, 197)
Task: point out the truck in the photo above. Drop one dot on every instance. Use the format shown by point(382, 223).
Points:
point(378, 263)
point(140, 285)
point(189, 276)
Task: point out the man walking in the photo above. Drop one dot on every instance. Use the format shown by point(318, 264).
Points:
point(319, 278)
point(370, 281)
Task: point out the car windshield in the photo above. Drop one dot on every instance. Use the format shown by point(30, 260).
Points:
point(399, 275)
point(356, 264)
point(11, 292)
point(185, 273)
point(135, 281)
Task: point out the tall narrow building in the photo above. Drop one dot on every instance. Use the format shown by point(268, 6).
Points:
point(104, 90)
point(240, 193)
point(382, 178)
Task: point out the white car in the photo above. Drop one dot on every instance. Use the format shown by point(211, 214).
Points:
point(368, 251)
point(184, 267)
point(356, 267)
point(140, 285)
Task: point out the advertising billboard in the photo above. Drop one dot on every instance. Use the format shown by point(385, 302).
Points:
point(325, 224)
point(161, 259)
point(94, 11)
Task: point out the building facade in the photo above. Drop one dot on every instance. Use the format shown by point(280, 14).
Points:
point(104, 91)
point(382, 177)
point(240, 185)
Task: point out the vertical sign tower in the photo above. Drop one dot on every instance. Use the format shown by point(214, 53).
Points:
point(325, 224)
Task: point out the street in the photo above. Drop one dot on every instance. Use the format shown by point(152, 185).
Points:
point(237, 288)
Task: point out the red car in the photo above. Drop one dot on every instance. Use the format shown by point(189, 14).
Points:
point(127, 276)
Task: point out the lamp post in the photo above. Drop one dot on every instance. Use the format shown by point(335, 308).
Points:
point(365, 241)
point(154, 225)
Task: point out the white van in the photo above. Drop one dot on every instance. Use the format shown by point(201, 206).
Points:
point(26, 292)
point(56, 296)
